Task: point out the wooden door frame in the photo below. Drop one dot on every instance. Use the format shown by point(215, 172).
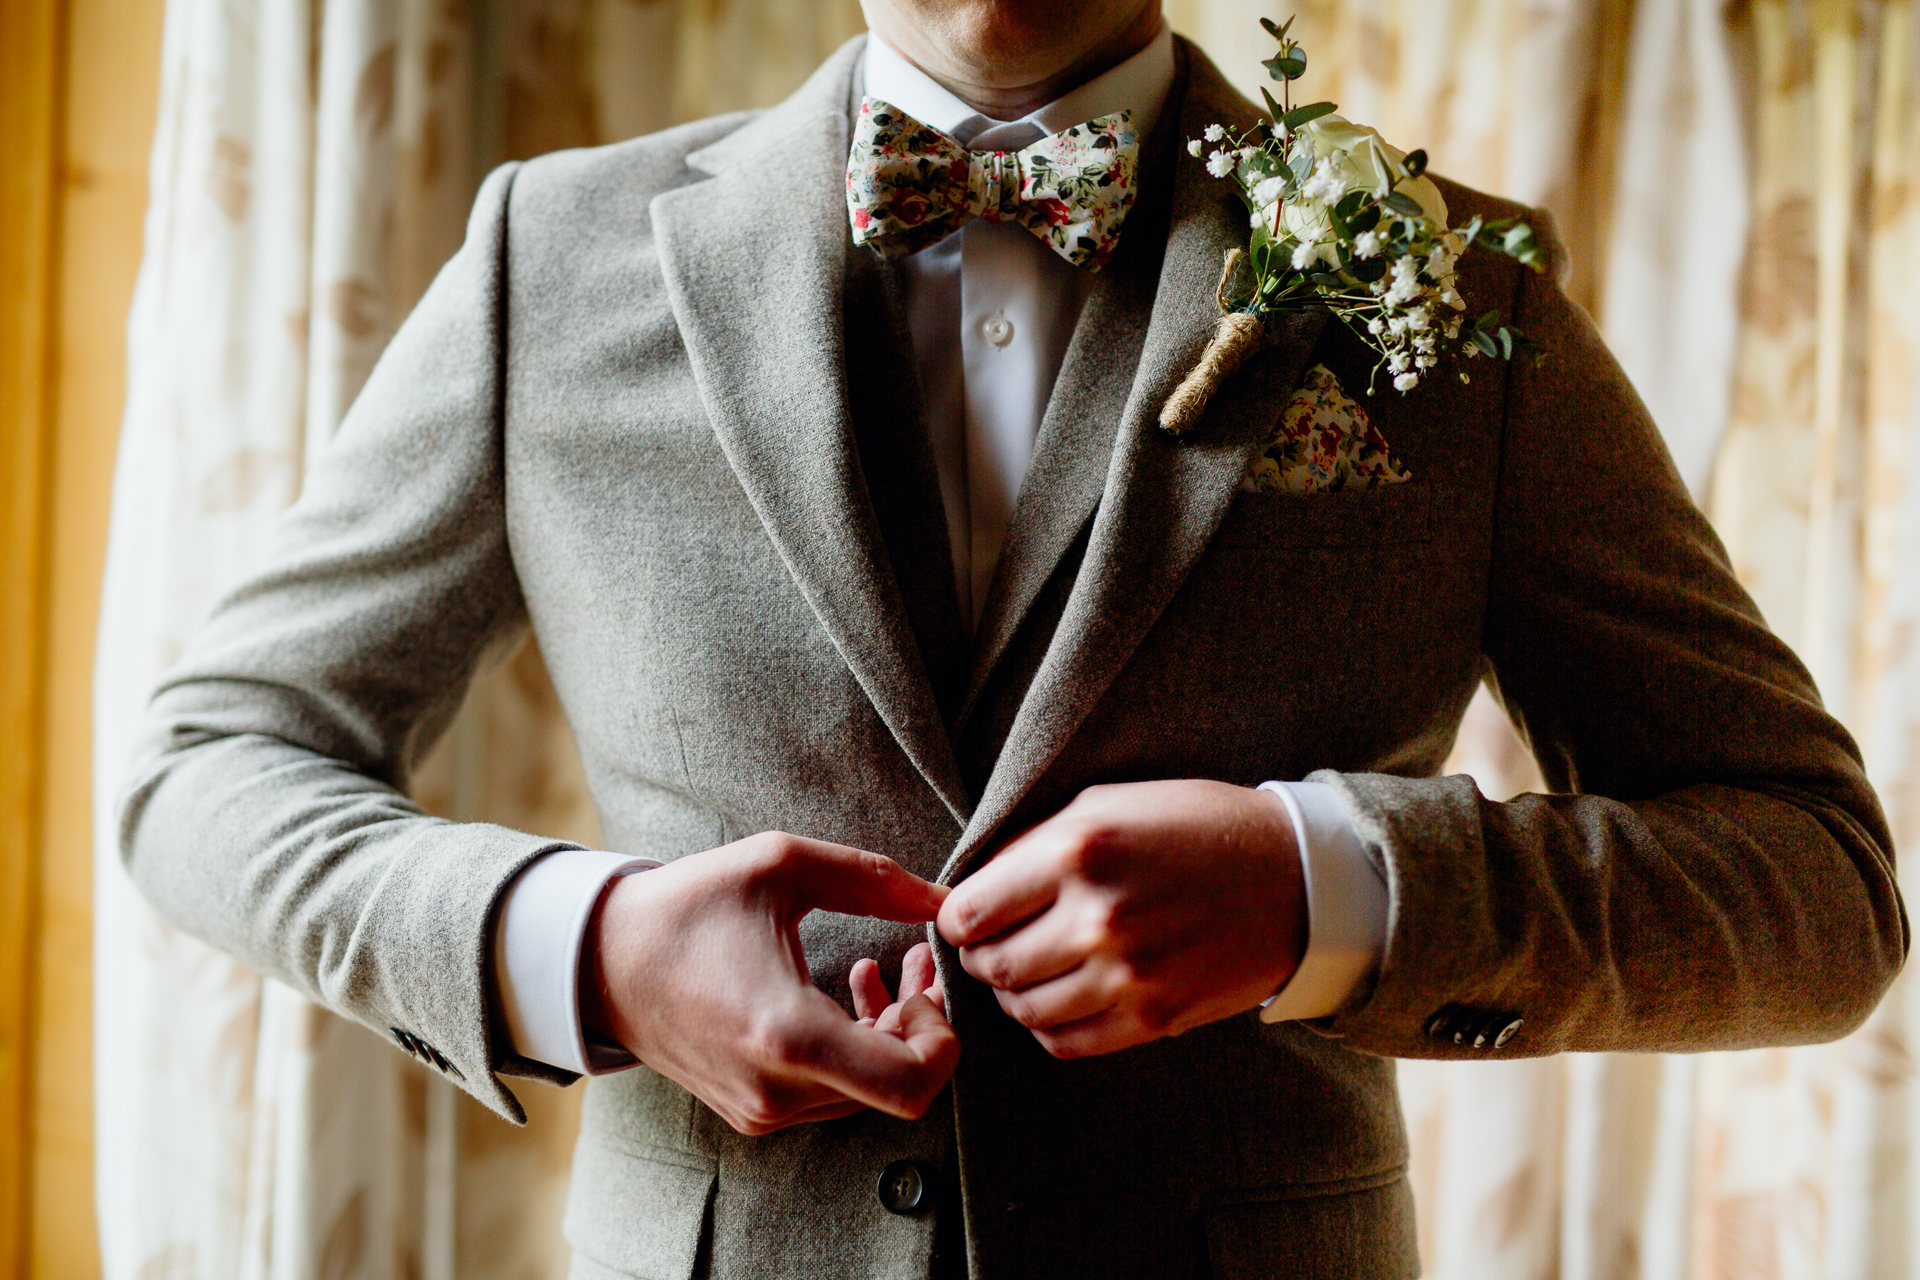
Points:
point(32, 91)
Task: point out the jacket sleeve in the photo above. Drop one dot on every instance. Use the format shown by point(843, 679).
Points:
point(265, 812)
point(1712, 869)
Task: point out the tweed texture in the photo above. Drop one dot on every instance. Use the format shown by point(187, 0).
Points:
point(628, 416)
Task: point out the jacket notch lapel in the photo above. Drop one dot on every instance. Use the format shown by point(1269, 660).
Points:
point(1161, 499)
point(754, 260)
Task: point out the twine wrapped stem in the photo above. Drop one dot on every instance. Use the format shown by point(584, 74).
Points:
point(1238, 336)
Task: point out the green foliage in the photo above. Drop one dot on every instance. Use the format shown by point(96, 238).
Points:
point(1402, 300)
point(1300, 115)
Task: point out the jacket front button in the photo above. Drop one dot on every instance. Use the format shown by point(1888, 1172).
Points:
point(905, 1188)
point(1507, 1033)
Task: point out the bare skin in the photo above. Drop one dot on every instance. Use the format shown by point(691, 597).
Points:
point(1138, 911)
point(696, 968)
point(1005, 58)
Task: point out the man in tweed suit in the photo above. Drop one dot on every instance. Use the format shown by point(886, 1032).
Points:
point(835, 556)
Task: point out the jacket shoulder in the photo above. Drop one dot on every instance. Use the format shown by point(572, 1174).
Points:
point(585, 187)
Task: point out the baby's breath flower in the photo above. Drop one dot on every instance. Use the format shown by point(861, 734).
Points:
point(1220, 164)
point(1213, 133)
point(1406, 287)
point(1406, 382)
point(1398, 362)
point(1324, 185)
point(1193, 147)
point(1376, 326)
point(1268, 190)
point(1369, 244)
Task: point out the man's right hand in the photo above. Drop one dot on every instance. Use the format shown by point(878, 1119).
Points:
point(696, 968)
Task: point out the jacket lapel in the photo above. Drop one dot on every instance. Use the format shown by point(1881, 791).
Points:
point(754, 261)
point(1158, 501)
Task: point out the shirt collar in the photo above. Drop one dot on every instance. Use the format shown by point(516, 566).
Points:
point(1140, 84)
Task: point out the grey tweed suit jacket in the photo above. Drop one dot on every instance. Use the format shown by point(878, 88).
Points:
point(659, 410)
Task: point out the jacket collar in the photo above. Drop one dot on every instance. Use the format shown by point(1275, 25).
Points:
point(754, 261)
point(1153, 503)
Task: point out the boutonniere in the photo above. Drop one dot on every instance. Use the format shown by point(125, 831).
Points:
point(1343, 222)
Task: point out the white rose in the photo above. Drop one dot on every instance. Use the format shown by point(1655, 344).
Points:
point(1361, 156)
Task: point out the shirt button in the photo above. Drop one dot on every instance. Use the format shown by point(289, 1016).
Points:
point(997, 329)
point(903, 1188)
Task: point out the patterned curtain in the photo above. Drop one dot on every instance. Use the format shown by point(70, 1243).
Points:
point(312, 169)
point(1737, 185)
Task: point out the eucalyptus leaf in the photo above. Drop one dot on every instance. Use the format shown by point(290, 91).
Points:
point(1302, 163)
point(1484, 341)
point(1402, 203)
point(1506, 342)
point(1313, 111)
point(1289, 64)
point(1367, 270)
point(1273, 108)
point(1487, 321)
point(1366, 219)
point(1416, 163)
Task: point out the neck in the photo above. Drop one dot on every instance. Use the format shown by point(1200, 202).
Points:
point(984, 89)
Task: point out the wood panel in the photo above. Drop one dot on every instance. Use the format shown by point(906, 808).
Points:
point(104, 95)
point(29, 91)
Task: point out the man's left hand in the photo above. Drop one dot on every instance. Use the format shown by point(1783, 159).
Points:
point(1140, 910)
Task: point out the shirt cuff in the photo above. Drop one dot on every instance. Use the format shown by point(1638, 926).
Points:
point(537, 943)
point(1346, 906)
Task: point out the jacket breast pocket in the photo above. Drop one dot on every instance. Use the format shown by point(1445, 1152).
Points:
point(636, 1215)
point(1386, 516)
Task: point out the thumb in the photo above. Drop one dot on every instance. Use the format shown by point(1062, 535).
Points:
point(814, 875)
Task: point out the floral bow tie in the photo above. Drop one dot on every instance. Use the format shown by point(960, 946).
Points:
point(908, 184)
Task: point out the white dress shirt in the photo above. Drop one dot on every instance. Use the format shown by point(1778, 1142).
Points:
point(991, 309)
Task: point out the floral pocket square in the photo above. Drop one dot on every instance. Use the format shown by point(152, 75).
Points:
point(1323, 443)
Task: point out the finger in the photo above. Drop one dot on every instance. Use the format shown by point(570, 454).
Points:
point(1091, 989)
point(813, 874)
point(870, 994)
point(896, 1073)
point(1021, 881)
point(758, 1125)
point(826, 1111)
point(1107, 1032)
point(937, 993)
point(916, 971)
point(1041, 949)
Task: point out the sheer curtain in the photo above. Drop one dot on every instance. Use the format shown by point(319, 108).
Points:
point(312, 168)
point(1737, 184)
